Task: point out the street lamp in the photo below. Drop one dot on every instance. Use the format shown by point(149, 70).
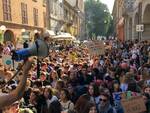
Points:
point(23, 30)
point(105, 21)
point(78, 11)
point(106, 11)
point(3, 29)
point(35, 31)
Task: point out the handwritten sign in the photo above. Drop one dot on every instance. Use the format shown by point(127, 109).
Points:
point(8, 63)
point(146, 77)
point(134, 105)
point(96, 47)
point(145, 74)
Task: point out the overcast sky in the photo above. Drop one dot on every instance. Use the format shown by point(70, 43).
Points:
point(109, 3)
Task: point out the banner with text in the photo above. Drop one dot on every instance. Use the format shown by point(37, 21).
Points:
point(134, 105)
point(96, 47)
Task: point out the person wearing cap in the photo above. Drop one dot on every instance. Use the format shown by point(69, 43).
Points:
point(10, 98)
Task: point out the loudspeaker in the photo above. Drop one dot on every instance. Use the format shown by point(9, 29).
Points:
point(39, 49)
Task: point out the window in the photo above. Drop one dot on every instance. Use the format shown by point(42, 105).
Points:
point(34, 0)
point(7, 10)
point(52, 6)
point(44, 19)
point(65, 13)
point(55, 7)
point(35, 16)
point(44, 2)
point(24, 13)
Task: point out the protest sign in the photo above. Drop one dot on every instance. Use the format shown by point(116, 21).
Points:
point(145, 74)
point(8, 63)
point(134, 105)
point(146, 77)
point(96, 47)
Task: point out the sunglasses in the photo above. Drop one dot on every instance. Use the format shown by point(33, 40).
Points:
point(104, 100)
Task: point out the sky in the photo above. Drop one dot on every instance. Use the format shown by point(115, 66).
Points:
point(109, 3)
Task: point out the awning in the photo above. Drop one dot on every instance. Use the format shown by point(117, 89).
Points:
point(64, 36)
point(25, 36)
point(51, 33)
point(77, 41)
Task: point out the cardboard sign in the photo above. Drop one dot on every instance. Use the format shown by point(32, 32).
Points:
point(8, 63)
point(146, 77)
point(96, 47)
point(134, 105)
point(145, 74)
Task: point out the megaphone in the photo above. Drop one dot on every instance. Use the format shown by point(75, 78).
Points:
point(39, 49)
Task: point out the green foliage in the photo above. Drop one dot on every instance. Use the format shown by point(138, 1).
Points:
point(98, 19)
point(110, 28)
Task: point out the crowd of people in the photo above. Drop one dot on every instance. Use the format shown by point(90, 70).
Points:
point(71, 80)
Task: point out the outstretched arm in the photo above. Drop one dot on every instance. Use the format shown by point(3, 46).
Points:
point(8, 99)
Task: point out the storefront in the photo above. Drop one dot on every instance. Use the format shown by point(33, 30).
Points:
point(16, 33)
point(25, 36)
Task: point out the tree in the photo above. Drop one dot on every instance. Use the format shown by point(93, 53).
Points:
point(110, 31)
point(98, 18)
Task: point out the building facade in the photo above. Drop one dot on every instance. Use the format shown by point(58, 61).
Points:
point(20, 19)
point(141, 16)
point(70, 17)
point(128, 21)
point(55, 15)
point(119, 19)
point(82, 34)
point(135, 18)
point(65, 16)
point(75, 23)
